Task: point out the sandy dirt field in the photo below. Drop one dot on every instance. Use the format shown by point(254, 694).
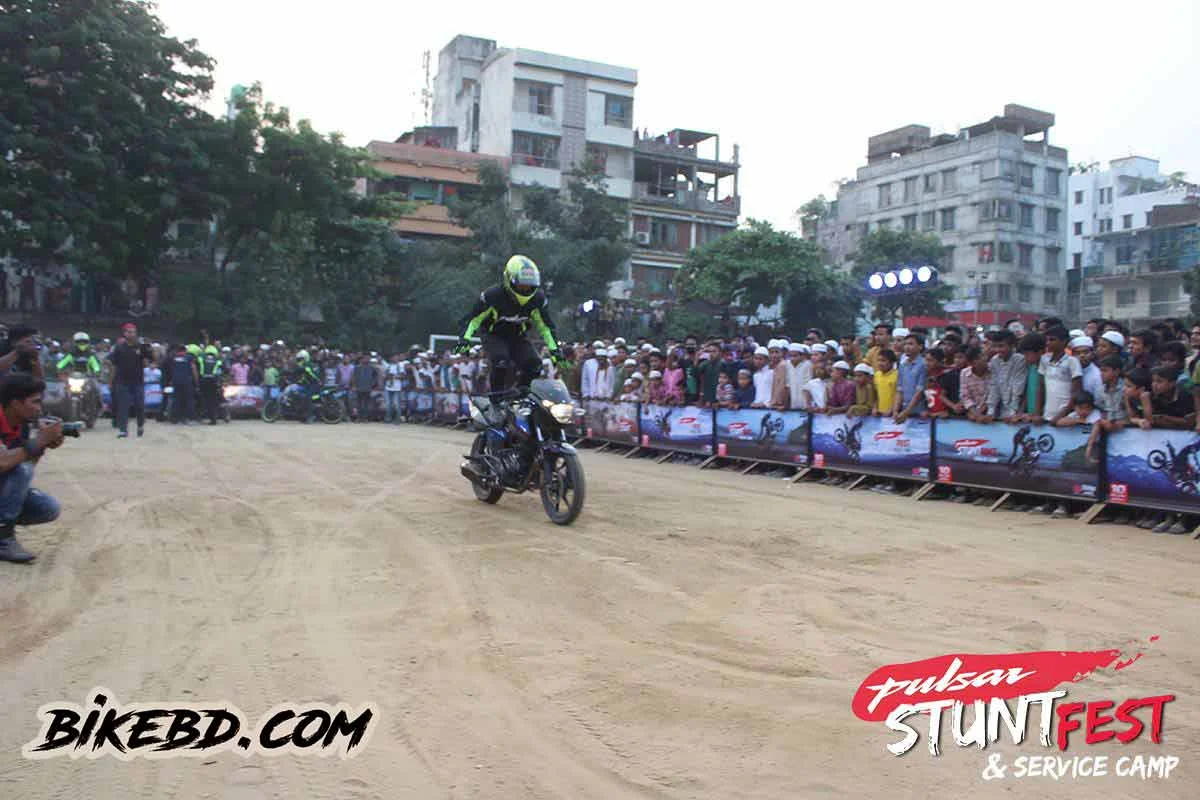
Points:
point(694, 635)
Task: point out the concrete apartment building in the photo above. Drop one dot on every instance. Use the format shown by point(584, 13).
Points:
point(423, 167)
point(1132, 237)
point(684, 196)
point(546, 113)
point(996, 197)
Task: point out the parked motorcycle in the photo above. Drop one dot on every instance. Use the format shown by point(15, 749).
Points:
point(85, 399)
point(521, 444)
point(329, 403)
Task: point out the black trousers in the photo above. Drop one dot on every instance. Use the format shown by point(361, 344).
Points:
point(183, 401)
point(129, 397)
point(210, 393)
point(508, 356)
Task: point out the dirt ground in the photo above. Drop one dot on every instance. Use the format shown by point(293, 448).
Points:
point(693, 635)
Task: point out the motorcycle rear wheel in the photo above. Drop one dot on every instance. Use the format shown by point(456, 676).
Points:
point(331, 412)
point(563, 489)
point(271, 411)
point(489, 496)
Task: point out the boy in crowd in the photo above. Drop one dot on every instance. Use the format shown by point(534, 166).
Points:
point(913, 372)
point(1082, 349)
point(1032, 347)
point(743, 395)
point(864, 392)
point(975, 386)
point(1083, 413)
point(1110, 343)
point(724, 395)
point(842, 390)
point(1062, 377)
point(1170, 408)
point(886, 380)
point(1142, 346)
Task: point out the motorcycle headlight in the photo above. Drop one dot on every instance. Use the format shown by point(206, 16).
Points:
point(76, 384)
point(562, 412)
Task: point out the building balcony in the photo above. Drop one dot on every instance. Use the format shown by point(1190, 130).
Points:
point(430, 220)
point(1140, 270)
point(685, 199)
point(664, 150)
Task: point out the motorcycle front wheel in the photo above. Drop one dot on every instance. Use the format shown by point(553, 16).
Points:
point(490, 496)
point(563, 488)
point(331, 412)
point(271, 411)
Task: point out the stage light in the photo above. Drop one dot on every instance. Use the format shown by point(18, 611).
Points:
point(925, 274)
point(890, 280)
point(906, 276)
point(875, 281)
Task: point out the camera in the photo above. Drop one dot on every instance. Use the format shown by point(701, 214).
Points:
point(74, 429)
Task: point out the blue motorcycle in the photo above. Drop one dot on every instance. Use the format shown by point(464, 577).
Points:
point(329, 403)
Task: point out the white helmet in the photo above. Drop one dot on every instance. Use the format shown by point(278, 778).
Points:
point(82, 337)
point(302, 356)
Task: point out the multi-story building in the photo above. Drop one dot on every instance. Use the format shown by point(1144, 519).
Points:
point(427, 174)
point(546, 113)
point(994, 196)
point(1128, 241)
point(684, 196)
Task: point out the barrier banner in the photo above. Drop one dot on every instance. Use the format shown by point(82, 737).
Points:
point(55, 392)
point(445, 407)
point(420, 403)
point(872, 445)
point(688, 429)
point(464, 405)
point(611, 421)
point(760, 434)
point(1038, 459)
point(152, 396)
point(1157, 468)
point(245, 400)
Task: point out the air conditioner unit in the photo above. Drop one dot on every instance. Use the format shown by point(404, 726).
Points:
point(642, 237)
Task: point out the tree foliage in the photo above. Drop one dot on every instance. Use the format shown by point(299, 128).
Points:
point(884, 249)
point(757, 265)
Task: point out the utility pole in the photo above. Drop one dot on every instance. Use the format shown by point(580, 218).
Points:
point(426, 92)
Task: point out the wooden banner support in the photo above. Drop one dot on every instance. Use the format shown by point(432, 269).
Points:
point(633, 452)
point(604, 447)
point(709, 460)
point(856, 482)
point(751, 468)
point(996, 506)
point(665, 457)
point(800, 473)
point(1094, 511)
point(924, 490)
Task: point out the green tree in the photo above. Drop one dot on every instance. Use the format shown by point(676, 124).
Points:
point(101, 133)
point(810, 215)
point(885, 249)
point(757, 265)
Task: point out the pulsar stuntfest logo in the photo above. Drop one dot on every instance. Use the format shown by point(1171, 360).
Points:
point(169, 730)
point(897, 693)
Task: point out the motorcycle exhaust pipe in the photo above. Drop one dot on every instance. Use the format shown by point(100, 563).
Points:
point(469, 472)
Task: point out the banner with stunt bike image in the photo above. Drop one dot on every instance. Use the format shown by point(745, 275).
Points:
point(688, 429)
point(420, 404)
point(872, 445)
point(609, 421)
point(763, 435)
point(1039, 459)
point(1155, 469)
point(446, 407)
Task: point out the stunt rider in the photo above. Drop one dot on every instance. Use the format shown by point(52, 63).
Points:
point(306, 377)
point(81, 357)
point(503, 315)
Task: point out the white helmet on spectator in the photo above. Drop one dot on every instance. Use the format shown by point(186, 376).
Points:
point(81, 337)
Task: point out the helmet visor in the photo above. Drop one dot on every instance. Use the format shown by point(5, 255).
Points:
point(526, 281)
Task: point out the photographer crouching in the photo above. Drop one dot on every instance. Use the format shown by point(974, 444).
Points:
point(24, 445)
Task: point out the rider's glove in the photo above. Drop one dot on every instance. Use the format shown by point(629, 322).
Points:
point(557, 358)
point(463, 347)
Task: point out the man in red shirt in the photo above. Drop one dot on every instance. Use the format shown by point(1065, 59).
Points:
point(20, 503)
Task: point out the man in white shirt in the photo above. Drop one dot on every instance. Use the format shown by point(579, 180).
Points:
point(1061, 374)
point(602, 384)
point(587, 381)
point(394, 389)
point(763, 377)
point(799, 373)
point(1081, 348)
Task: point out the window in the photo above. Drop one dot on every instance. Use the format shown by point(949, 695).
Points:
point(1025, 256)
point(928, 220)
point(995, 209)
point(1026, 215)
point(664, 234)
point(1024, 293)
point(947, 219)
point(597, 158)
point(985, 293)
point(1026, 176)
point(1127, 221)
point(535, 98)
point(1052, 298)
point(1003, 292)
point(910, 221)
point(1125, 252)
point(1052, 215)
point(931, 183)
point(1079, 198)
point(1053, 180)
point(1053, 261)
point(535, 151)
point(1106, 195)
point(1126, 297)
point(1077, 260)
point(949, 181)
point(885, 195)
point(910, 189)
point(1077, 228)
point(948, 259)
point(1006, 252)
point(1104, 226)
point(986, 252)
point(883, 224)
point(864, 228)
point(1161, 293)
point(618, 111)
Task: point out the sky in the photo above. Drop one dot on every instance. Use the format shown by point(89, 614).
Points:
point(800, 87)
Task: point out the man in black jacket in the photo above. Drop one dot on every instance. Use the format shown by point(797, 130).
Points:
point(128, 386)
